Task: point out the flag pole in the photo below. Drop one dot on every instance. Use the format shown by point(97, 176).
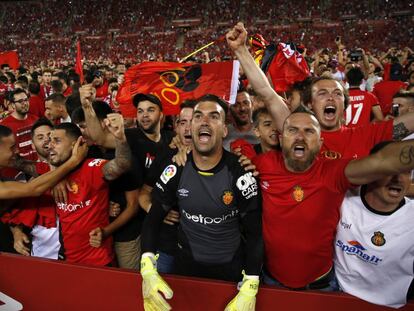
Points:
point(202, 48)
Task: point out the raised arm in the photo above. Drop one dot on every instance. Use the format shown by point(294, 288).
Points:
point(97, 133)
point(37, 186)
point(123, 157)
point(236, 39)
point(393, 159)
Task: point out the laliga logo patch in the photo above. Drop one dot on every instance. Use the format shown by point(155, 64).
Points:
point(169, 172)
point(378, 238)
point(298, 194)
point(227, 197)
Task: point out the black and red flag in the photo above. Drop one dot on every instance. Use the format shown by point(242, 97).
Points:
point(173, 83)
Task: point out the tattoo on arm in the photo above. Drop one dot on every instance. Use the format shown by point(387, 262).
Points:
point(122, 162)
point(400, 131)
point(407, 155)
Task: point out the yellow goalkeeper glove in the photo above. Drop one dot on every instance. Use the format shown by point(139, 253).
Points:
point(246, 298)
point(152, 284)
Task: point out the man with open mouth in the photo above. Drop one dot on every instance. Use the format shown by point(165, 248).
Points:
point(374, 249)
point(302, 192)
point(219, 203)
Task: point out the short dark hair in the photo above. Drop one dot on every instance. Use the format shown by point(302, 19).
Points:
point(257, 113)
point(354, 76)
point(62, 76)
point(72, 102)
point(4, 65)
point(214, 98)
point(188, 103)
point(57, 86)
point(41, 122)
point(34, 87)
point(150, 97)
point(5, 132)
point(23, 79)
point(101, 109)
point(307, 92)
point(56, 98)
point(405, 94)
point(16, 92)
point(71, 129)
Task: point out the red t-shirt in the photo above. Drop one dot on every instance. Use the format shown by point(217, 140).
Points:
point(102, 91)
point(300, 215)
point(38, 210)
point(37, 106)
point(86, 209)
point(360, 106)
point(67, 92)
point(385, 90)
point(45, 91)
point(355, 142)
point(21, 129)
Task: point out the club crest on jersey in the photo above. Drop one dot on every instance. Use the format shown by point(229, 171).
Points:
point(227, 197)
point(378, 238)
point(332, 155)
point(298, 194)
point(168, 173)
point(73, 187)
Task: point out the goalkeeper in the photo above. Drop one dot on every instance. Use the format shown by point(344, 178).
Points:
point(220, 232)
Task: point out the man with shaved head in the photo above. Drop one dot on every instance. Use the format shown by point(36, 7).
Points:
point(302, 194)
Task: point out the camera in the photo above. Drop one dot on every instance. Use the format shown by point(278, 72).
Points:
point(395, 110)
point(356, 55)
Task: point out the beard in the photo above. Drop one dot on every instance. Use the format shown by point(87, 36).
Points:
point(239, 121)
point(151, 129)
point(298, 165)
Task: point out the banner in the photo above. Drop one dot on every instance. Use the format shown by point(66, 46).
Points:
point(33, 284)
point(173, 83)
point(11, 58)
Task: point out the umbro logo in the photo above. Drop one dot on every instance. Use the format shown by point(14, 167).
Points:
point(183, 192)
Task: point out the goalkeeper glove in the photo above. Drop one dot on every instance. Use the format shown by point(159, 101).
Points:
point(246, 298)
point(152, 284)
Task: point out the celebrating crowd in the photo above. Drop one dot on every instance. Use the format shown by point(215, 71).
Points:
point(306, 189)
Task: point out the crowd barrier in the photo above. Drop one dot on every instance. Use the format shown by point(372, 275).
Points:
point(41, 285)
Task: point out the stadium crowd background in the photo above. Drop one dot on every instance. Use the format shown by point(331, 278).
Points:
point(133, 31)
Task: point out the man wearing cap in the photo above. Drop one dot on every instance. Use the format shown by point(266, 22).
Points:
point(100, 84)
point(146, 141)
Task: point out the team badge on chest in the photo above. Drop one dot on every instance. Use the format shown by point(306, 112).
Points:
point(227, 197)
point(298, 194)
point(378, 238)
point(73, 187)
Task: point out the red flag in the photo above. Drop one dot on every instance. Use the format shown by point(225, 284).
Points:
point(78, 66)
point(287, 67)
point(11, 58)
point(173, 83)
